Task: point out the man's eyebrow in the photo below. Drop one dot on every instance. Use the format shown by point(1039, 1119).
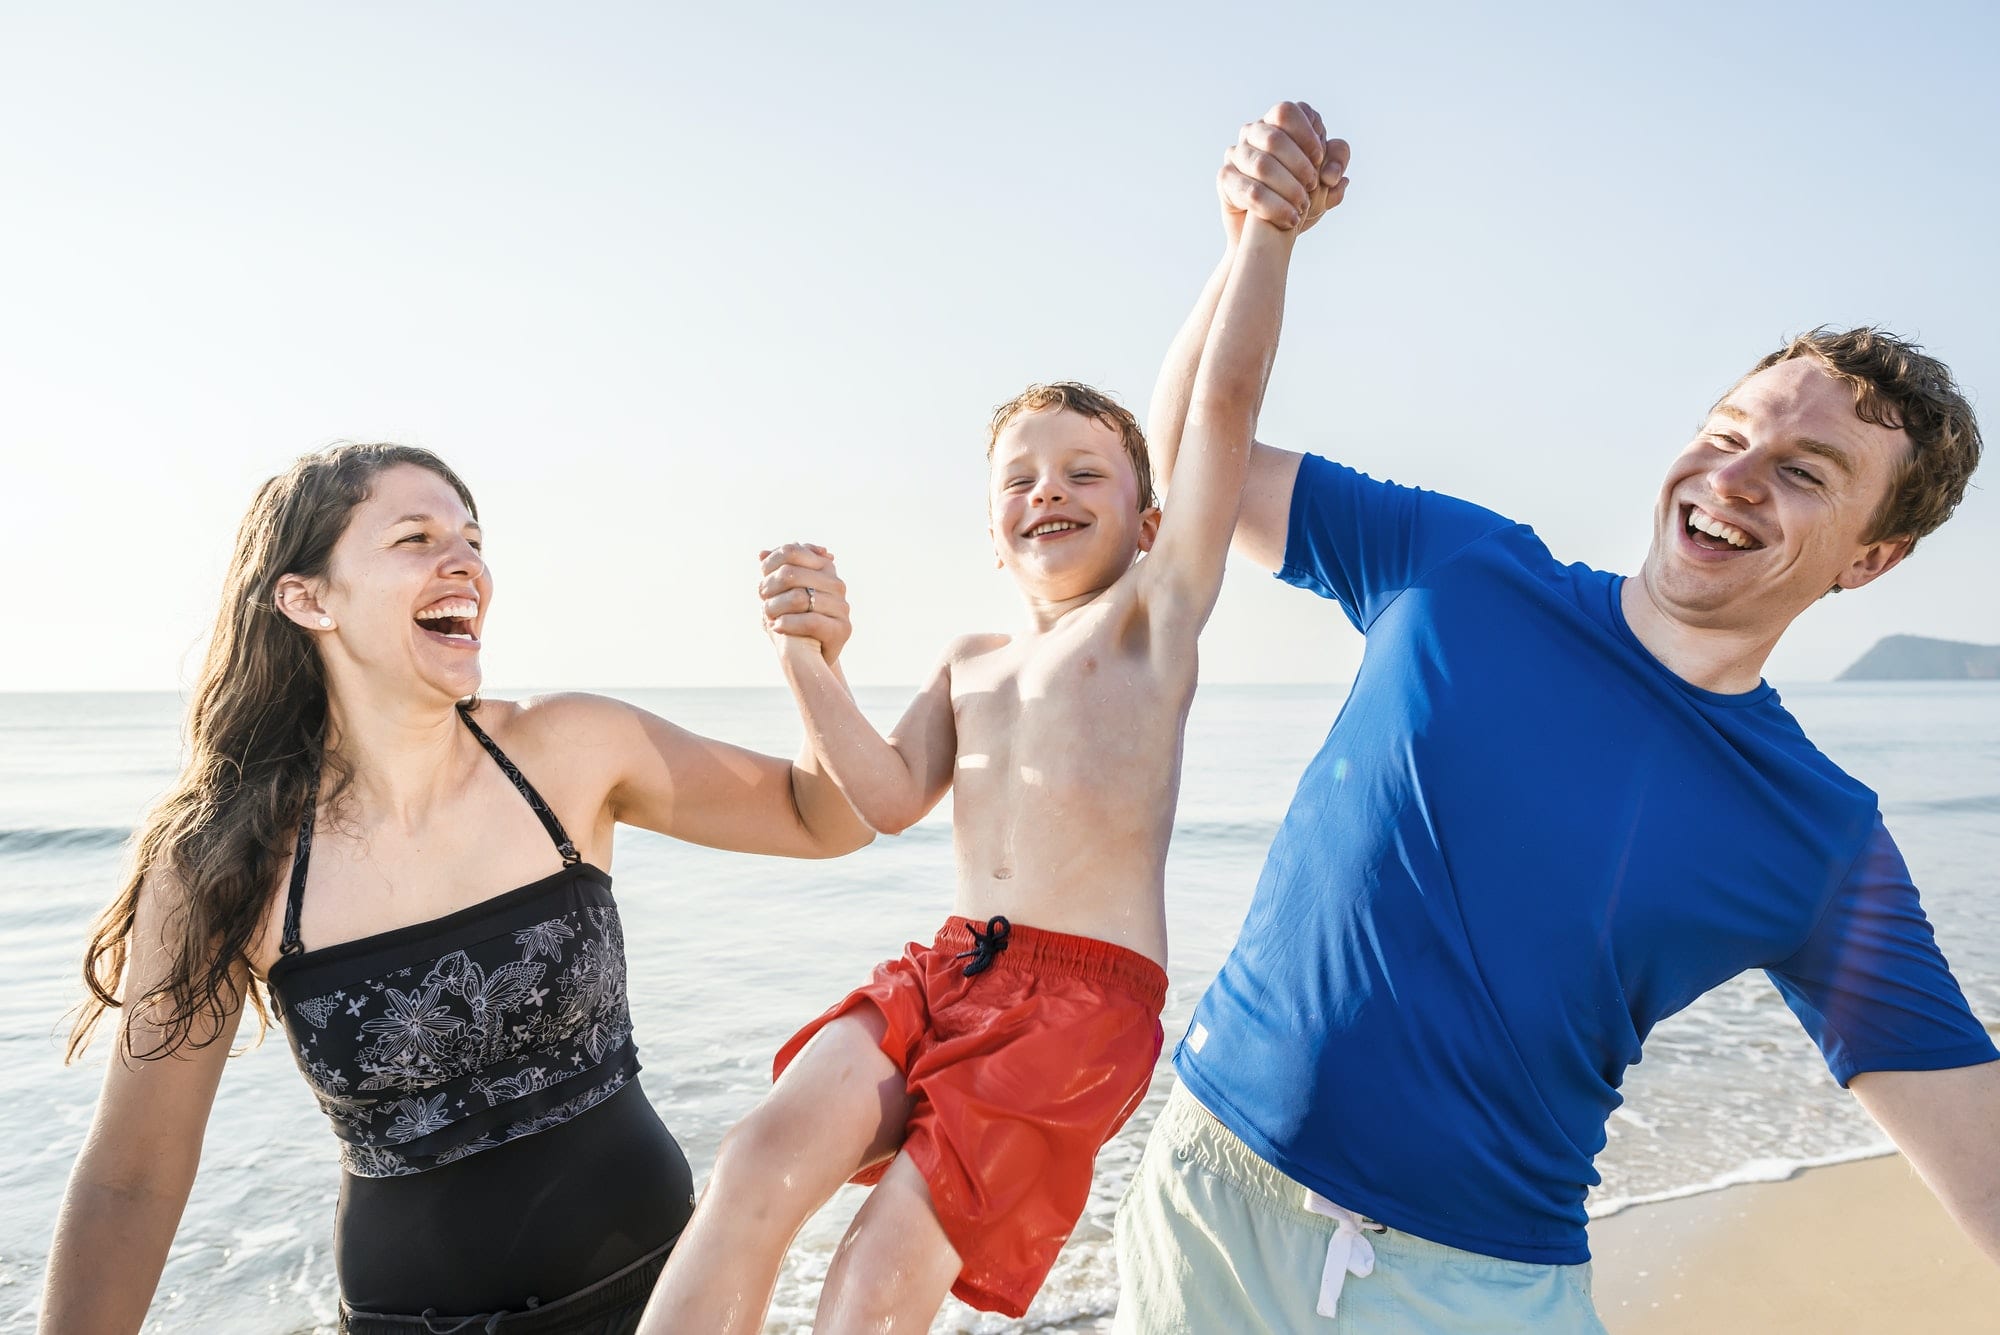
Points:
point(1833, 454)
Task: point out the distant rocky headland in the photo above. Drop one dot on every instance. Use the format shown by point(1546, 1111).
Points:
point(1914, 658)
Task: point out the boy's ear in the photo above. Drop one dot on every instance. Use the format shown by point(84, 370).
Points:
point(994, 543)
point(299, 603)
point(1149, 528)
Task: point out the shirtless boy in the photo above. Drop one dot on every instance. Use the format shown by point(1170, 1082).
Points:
point(974, 1079)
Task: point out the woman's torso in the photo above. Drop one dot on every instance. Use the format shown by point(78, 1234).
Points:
point(477, 1063)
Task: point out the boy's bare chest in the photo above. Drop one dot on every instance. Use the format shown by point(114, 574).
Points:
point(1056, 709)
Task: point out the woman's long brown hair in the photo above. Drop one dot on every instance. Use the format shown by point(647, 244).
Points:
point(255, 739)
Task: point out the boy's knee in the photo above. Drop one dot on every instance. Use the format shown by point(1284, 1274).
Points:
point(754, 1151)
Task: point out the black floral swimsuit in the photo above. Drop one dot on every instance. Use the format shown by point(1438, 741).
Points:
point(480, 1073)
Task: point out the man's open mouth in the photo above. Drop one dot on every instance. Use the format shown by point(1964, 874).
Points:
point(1715, 535)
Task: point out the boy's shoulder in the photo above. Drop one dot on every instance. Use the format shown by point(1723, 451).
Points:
point(975, 645)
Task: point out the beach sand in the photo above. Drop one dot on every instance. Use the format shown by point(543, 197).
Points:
point(1859, 1247)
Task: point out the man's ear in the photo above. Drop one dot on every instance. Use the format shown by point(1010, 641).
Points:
point(1149, 528)
point(1876, 560)
point(299, 603)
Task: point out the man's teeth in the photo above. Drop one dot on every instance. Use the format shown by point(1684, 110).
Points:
point(1053, 526)
point(1715, 528)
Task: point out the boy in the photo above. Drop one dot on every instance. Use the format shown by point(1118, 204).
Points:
point(975, 1079)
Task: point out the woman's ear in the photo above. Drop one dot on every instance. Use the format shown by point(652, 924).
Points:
point(300, 604)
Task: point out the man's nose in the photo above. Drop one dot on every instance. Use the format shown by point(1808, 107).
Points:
point(1743, 475)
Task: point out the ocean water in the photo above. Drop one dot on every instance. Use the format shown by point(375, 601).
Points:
point(729, 954)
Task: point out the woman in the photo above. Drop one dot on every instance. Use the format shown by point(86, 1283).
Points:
point(414, 881)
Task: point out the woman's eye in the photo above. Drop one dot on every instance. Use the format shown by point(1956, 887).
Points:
point(415, 537)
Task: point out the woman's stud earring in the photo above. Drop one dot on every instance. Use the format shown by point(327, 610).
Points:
point(326, 623)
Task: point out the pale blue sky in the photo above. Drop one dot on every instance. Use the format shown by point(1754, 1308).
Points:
point(669, 284)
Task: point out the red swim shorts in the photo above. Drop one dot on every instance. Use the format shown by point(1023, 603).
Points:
point(1019, 1074)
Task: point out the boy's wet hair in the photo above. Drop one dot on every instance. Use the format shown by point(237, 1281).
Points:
point(1092, 403)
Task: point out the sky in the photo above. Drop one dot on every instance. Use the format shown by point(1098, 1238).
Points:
point(668, 284)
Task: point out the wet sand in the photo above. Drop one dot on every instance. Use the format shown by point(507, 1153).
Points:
point(1859, 1247)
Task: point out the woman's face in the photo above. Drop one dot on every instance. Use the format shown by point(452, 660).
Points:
point(407, 591)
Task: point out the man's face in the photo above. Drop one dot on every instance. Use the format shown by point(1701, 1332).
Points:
point(1064, 504)
point(1770, 505)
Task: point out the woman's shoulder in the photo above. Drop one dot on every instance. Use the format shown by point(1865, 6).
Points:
point(573, 724)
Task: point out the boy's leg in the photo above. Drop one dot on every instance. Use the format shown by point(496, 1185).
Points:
point(840, 1106)
point(894, 1267)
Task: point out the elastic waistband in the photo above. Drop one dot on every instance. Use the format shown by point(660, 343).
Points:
point(615, 1292)
point(1044, 951)
point(1196, 1132)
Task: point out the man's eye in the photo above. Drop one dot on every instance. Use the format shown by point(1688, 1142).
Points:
point(1802, 475)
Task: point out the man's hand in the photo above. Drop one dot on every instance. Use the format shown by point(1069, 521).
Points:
point(804, 599)
point(1284, 169)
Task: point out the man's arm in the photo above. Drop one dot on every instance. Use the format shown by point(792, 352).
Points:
point(1271, 172)
point(891, 782)
point(1947, 1124)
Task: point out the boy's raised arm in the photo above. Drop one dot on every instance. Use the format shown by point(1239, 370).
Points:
point(891, 782)
point(1272, 172)
point(1184, 571)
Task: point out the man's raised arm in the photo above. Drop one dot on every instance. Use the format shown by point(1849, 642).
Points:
point(1272, 172)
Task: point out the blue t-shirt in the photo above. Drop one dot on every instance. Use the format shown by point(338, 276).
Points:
point(1524, 843)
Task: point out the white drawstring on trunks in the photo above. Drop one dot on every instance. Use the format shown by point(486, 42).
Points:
point(1348, 1253)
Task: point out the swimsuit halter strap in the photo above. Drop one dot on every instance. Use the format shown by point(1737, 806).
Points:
point(295, 898)
point(570, 857)
point(301, 853)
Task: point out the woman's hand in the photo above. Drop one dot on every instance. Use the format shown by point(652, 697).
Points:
point(804, 597)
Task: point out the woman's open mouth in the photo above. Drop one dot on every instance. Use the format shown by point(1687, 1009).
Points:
point(451, 621)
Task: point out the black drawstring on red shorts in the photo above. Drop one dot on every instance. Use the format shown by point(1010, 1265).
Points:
point(987, 947)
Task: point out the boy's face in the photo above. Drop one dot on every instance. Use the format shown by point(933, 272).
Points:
point(1063, 504)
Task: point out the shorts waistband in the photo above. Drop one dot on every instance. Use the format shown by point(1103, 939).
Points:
point(1086, 957)
point(1196, 1132)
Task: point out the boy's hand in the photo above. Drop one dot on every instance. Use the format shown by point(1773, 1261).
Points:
point(804, 598)
point(1284, 169)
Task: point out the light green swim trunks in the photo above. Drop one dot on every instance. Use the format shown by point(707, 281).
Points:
point(1214, 1241)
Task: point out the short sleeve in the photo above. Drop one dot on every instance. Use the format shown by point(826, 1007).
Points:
point(1871, 986)
point(1362, 542)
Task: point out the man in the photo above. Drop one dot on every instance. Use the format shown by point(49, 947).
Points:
point(1558, 806)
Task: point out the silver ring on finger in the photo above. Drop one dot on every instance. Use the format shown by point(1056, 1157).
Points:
point(809, 599)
